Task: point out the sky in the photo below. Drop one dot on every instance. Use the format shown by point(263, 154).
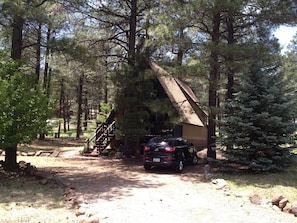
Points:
point(285, 35)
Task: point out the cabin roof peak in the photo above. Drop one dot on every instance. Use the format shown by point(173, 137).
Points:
point(180, 95)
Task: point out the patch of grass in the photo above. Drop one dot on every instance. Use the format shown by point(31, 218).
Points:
point(51, 144)
point(266, 185)
point(23, 199)
point(91, 126)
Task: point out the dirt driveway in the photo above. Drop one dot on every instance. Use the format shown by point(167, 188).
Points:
point(119, 191)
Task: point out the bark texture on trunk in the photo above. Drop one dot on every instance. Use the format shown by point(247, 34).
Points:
point(10, 163)
point(230, 57)
point(79, 106)
point(17, 38)
point(213, 82)
point(132, 33)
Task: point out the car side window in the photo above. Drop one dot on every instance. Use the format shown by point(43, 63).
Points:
point(176, 142)
point(184, 142)
point(180, 142)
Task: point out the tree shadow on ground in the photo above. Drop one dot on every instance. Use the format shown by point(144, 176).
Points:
point(25, 190)
point(99, 177)
point(105, 179)
point(109, 179)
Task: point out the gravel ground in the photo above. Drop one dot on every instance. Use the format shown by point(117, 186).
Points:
point(120, 191)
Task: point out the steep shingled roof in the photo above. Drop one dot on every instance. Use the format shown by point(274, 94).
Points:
point(176, 90)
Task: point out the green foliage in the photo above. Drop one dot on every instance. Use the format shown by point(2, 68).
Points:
point(23, 106)
point(289, 68)
point(77, 52)
point(138, 99)
point(259, 126)
point(134, 92)
point(105, 109)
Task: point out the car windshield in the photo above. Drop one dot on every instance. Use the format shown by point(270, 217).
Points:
point(161, 140)
point(176, 141)
point(156, 140)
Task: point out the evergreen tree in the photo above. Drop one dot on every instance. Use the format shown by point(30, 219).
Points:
point(259, 126)
point(130, 101)
point(290, 68)
point(136, 100)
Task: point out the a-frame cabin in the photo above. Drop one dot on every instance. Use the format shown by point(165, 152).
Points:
point(193, 120)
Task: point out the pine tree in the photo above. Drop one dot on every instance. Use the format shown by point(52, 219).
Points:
point(130, 101)
point(259, 126)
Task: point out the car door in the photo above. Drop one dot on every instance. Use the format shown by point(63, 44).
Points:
point(181, 148)
point(187, 150)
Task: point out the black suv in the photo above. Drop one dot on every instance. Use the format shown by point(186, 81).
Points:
point(169, 152)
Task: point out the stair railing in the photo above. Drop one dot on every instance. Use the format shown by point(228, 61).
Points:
point(106, 132)
point(97, 132)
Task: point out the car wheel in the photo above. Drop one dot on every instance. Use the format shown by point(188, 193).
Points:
point(180, 166)
point(147, 167)
point(195, 159)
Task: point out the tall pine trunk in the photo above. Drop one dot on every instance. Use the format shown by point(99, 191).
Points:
point(181, 49)
point(79, 106)
point(46, 65)
point(230, 57)
point(230, 61)
point(132, 62)
point(16, 54)
point(213, 82)
point(86, 113)
point(17, 38)
point(132, 33)
point(38, 65)
point(38, 54)
point(61, 106)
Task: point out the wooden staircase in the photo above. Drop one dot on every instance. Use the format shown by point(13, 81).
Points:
point(101, 138)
